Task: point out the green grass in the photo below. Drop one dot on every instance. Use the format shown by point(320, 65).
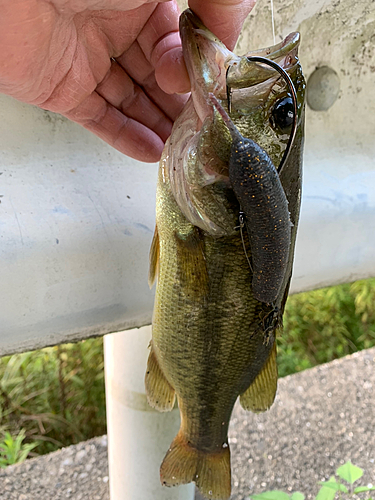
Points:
point(326, 324)
point(55, 397)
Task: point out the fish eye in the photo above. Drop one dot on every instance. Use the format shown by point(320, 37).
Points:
point(282, 114)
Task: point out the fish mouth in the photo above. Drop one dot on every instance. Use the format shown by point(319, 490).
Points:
point(247, 73)
point(280, 50)
point(212, 67)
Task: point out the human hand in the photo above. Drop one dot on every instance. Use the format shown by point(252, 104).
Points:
point(106, 64)
point(58, 55)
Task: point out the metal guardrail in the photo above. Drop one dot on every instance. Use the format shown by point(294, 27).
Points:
point(76, 217)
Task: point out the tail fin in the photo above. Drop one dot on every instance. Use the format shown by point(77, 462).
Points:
point(210, 471)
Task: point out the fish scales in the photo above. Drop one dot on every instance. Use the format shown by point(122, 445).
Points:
point(209, 328)
point(213, 341)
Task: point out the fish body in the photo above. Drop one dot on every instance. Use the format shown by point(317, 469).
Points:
point(213, 337)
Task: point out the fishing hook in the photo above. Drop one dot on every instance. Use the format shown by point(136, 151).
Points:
point(241, 220)
point(229, 92)
point(292, 89)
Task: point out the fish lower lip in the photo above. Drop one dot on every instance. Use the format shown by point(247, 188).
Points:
point(189, 20)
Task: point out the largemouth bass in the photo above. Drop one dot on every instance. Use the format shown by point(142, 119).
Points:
point(223, 248)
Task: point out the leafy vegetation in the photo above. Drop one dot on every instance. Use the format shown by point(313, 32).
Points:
point(13, 450)
point(329, 489)
point(55, 397)
point(326, 324)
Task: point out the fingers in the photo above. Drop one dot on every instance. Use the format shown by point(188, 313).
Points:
point(119, 90)
point(130, 111)
point(223, 17)
point(125, 134)
point(170, 69)
point(82, 5)
point(140, 69)
point(161, 44)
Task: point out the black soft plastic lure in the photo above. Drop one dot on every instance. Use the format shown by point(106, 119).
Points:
point(256, 184)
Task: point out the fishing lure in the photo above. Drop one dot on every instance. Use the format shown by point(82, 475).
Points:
point(264, 206)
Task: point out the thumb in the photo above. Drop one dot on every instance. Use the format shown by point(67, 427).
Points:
point(223, 17)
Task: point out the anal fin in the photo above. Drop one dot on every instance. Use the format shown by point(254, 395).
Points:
point(160, 394)
point(261, 393)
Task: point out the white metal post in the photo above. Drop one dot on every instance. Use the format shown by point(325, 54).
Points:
point(138, 437)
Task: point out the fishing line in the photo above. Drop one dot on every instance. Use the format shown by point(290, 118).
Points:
point(292, 89)
point(273, 23)
point(241, 219)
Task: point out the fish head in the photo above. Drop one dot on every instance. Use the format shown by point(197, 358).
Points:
point(261, 108)
point(261, 100)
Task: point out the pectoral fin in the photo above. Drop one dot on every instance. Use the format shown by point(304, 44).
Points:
point(154, 258)
point(261, 393)
point(160, 394)
point(192, 269)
